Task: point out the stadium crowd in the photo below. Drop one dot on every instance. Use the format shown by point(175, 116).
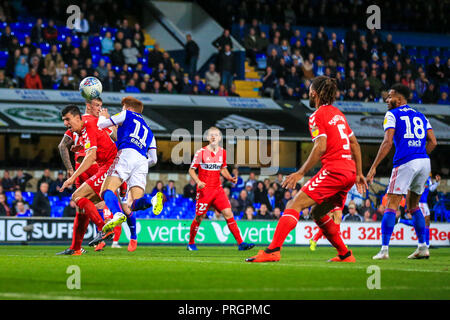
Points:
point(364, 64)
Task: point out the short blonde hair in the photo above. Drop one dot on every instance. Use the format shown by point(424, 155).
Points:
point(133, 103)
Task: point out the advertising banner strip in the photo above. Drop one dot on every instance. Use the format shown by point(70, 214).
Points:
point(373, 107)
point(179, 100)
point(216, 232)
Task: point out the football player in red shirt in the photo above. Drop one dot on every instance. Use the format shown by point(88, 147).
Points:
point(99, 148)
point(211, 161)
point(336, 146)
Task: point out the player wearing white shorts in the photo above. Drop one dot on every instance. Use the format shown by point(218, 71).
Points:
point(136, 148)
point(411, 133)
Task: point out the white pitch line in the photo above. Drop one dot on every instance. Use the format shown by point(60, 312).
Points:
point(326, 265)
point(38, 296)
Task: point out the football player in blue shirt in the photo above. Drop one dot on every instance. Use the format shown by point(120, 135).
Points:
point(413, 137)
point(136, 147)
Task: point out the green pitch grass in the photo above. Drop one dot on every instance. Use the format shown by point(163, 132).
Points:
point(34, 272)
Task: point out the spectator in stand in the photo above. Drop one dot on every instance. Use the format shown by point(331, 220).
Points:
point(444, 98)
point(57, 184)
point(117, 58)
point(159, 187)
point(70, 210)
point(276, 213)
point(367, 207)
point(223, 40)
point(250, 192)
point(263, 213)
point(190, 190)
point(249, 213)
point(155, 56)
point(110, 83)
point(21, 70)
point(37, 32)
point(18, 197)
point(251, 46)
point(32, 80)
point(130, 54)
point(431, 95)
point(436, 71)
point(270, 199)
point(352, 214)
point(45, 178)
point(260, 193)
point(212, 77)
point(243, 201)
point(50, 33)
point(269, 82)
point(170, 191)
point(7, 182)
point(5, 210)
point(223, 92)
point(81, 26)
point(107, 44)
point(21, 179)
point(236, 188)
point(192, 53)
point(227, 66)
point(41, 204)
point(54, 56)
point(22, 210)
point(66, 84)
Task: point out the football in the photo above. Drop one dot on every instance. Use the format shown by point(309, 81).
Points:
point(90, 88)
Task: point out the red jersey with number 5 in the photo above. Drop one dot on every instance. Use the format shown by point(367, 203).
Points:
point(209, 165)
point(328, 121)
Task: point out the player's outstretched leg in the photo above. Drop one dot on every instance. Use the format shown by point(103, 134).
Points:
point(331, 231)
point(234, 229)
point(419, 226)
point(143, 203)
point(285, 225)
point(387, 227)
point(117, 233)
point(113, 204)
point(315, 238)
point(193, 232)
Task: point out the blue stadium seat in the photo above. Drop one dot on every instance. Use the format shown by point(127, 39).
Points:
point(412, 52)
point(424, 52)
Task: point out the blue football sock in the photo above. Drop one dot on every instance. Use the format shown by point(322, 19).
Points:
point(387, 226)
point(419, 224)
point(100, 212)
point(131, 221)
point(427, 235)
point(142, 203)
point(112, 202)
point(408, 222)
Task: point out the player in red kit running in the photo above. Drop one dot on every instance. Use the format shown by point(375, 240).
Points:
point(211, 162)
point(99, 148)
point(336, 146)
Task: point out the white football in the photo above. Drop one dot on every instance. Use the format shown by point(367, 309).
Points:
point(90, 88)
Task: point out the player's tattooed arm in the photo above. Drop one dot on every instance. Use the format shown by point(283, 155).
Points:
point(64, 147)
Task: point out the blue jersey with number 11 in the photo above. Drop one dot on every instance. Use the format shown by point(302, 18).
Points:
point(410, 135)
point(133, 132)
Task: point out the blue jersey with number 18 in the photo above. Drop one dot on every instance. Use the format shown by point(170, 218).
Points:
point(133, 132)
point(410, 135)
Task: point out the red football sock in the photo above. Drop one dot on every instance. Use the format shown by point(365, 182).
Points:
point(91, 211)
point(318, 235)
point(287, 223)
point(332, 233)
point(193, 232)
point(117, 232)
point(80, 226)
point(232, 225)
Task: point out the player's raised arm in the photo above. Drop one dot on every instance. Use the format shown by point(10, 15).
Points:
point(64, 147)
point(361, 183)
point(319, 148)
point(106, 121)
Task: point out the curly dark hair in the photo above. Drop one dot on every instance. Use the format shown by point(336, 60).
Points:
point(401, 89)
point(326, 88)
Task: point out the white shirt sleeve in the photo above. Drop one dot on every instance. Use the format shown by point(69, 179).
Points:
point(115, 120)
point(428, 124)
point(433, 186)
point(151, 153)
point(389, 121)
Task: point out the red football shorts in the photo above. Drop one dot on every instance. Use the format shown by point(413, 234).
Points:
point(96, 181)
point(85, 175)
point(331, 187)
point(207, 197)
